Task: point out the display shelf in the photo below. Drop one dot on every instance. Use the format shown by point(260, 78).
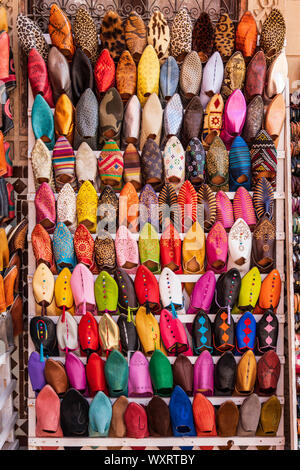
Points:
point(158, 441)
point(181, 277)
point(184, 318)
point(283, 240)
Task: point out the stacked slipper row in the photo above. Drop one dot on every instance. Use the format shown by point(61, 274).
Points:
point(143, 75)
point(141, 302)
point(75, 416)
point(197, 115)
point(186, 216)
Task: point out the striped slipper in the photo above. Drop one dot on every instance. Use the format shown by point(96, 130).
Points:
point(263, 198)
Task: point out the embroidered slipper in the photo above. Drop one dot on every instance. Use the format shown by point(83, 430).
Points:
point(86, 206)
point(148, 207)
point(127, 251)
point(110, 164)
point(147, 289)
point(108, 209)
point(170, 249)
point(63, 248)
point(105, 254)
point(174, 162)
point(195, 157)
point(152, 164)
point(263, 246)
point(84, 247)
point(212, 122)
point(63, 160)
point(44, 202)
point(106, 294)
point(127, 299)
point(148, 74)
point(42, 247)
point(217, 248)
point(217, 165)
point(66, 207)
point(239, 247)
point(149, 248)
point(263, 159)
point(41, 162)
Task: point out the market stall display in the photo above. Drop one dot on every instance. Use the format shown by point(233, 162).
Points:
point(184, 139)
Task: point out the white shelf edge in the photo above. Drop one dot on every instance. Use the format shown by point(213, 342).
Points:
point(216, 401)
point(278, 236)
point(172, 359)
point(230, 194)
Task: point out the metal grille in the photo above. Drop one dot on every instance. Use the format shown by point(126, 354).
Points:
point(39, 9)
